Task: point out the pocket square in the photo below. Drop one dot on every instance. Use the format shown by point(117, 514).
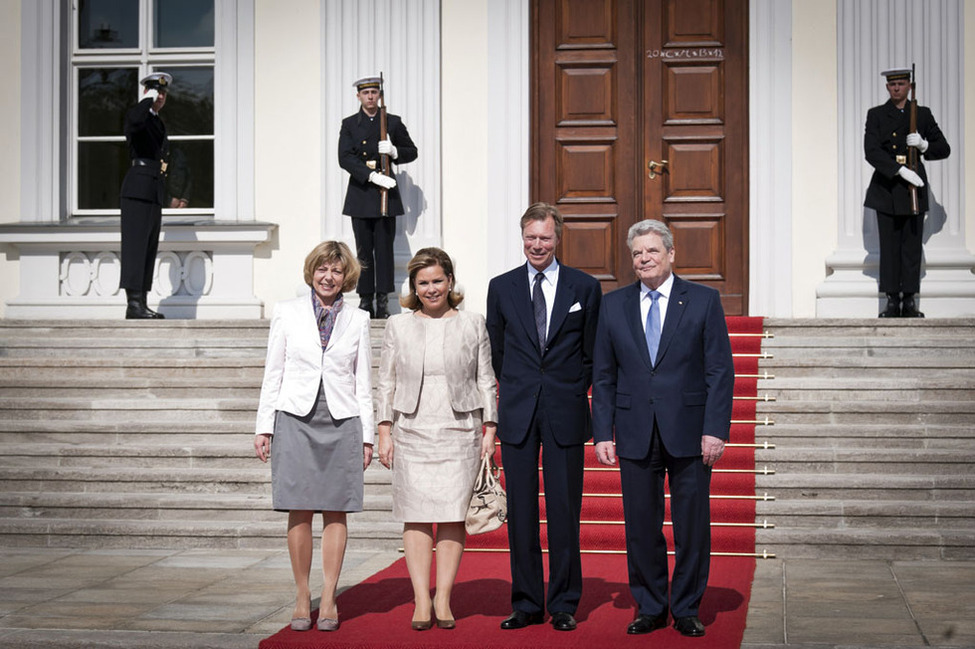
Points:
point(575, 307)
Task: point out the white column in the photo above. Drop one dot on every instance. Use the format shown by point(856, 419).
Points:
point(874, 35)
point(401, 39)
point(770, 159)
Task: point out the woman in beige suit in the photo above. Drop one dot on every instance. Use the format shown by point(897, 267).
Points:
point(436, 392)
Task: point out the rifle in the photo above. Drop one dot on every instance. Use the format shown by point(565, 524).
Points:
point(383, 158)
point(912, 151)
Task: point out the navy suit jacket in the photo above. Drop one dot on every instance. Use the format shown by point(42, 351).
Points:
point(689, 391)
point(563, 374)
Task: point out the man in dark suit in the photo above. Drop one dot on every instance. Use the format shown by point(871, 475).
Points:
point(886, 141)
point(541, 319)
point(663, 380)
point(359, 151)
point(141, 198)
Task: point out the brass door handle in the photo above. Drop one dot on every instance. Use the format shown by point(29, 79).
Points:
point(656, 167)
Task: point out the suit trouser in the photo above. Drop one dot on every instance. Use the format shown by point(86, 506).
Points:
point(562, 469)
point(140, 225)
point(900, 252)
point(374, 249)
point(646, 547)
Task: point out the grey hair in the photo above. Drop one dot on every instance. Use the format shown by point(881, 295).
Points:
point(650, 226)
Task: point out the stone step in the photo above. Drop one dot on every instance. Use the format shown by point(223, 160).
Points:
point(110, 533)
point(865, 543)
point(786, 436)
point(866, 486)
point(855, 413)
point(850, 513)
point(239, 508)
point(940, 388)
point(884, 460)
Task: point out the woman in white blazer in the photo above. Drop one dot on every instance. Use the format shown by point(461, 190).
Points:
point(316, 404)
point(436, 394)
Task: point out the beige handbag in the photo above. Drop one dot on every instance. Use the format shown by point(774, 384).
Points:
point(489, 505)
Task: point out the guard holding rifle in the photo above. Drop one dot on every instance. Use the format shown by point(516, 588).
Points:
point(369, 142)
point(141, 198)
point(898, 134)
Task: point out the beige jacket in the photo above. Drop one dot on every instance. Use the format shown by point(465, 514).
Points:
point(467, 363)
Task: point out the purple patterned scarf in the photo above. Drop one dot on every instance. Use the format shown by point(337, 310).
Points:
point(325, 316)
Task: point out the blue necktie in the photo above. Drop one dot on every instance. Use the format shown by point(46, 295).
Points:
point(653, 326)
point(538, 305)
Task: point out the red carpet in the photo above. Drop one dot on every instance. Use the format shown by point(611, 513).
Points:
point(376, 614)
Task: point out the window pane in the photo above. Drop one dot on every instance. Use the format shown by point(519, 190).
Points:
point(108, 24)
point(104, 94)
point(184, 23)
point(189, 105)
point(189, 175)
point(101, 167)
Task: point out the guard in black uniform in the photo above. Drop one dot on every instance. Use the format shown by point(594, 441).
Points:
point(359, 149)
point(142, 194)
point(885, 144)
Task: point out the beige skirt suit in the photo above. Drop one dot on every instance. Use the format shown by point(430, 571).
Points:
point(437, 387)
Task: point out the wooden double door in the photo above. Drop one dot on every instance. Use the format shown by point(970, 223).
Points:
point(640, 110)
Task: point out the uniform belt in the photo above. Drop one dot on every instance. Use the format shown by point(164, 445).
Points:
point(144, 162)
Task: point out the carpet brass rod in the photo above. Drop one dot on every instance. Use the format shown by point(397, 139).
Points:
point(763, 355)
point(763, 375)
point(762, 445)
point(763, 497)
point(760, 397)
point(755, 422)
point(764, 554)
point(764, 334)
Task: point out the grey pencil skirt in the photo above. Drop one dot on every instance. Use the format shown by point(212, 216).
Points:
point(316, 461)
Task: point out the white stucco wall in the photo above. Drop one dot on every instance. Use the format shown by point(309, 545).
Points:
point(968, 138)
point(814, 146)
point(10, 41)
point(287, 155)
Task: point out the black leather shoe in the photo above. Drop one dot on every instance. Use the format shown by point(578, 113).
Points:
point(135, 308)
point(689, 626)
point(893, 309)
point(647, 623)
point(563, 622)
point(365, 303)
point(520, 619)
point(382, 306)
point(152, 314)
point(909, 307)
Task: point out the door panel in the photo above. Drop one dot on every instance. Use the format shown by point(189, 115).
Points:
point(639, 110)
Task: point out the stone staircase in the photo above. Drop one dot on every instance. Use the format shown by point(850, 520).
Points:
point(139, 435)
point(874, 434)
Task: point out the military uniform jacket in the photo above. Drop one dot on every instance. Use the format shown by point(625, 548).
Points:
point(359, 155)
point(146, 135)
point(885, 139)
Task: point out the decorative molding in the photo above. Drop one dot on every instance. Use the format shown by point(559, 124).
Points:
point(873, 35)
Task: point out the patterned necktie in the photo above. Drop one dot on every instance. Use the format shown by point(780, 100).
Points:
point(541, 316)
point(653, 326)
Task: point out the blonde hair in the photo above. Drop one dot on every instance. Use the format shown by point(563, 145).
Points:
point(427, 258)
point(332, 252)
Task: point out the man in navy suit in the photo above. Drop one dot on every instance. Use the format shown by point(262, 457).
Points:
point(541, 319)
point(663, 380)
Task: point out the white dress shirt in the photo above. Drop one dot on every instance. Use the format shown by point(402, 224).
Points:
point(662, 301)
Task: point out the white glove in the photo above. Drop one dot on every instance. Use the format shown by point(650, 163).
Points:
point(915, 140)
point(386, 148)
point(386, 182)
point(910, 177)
point(152, 93)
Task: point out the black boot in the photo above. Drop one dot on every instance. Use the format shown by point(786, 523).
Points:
point(909, 307)
point(136, 309)
point(365, 303)
point(152, 314)
point(893, 309)
point(382, 306)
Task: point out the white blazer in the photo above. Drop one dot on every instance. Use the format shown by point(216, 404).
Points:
point(296, 364)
